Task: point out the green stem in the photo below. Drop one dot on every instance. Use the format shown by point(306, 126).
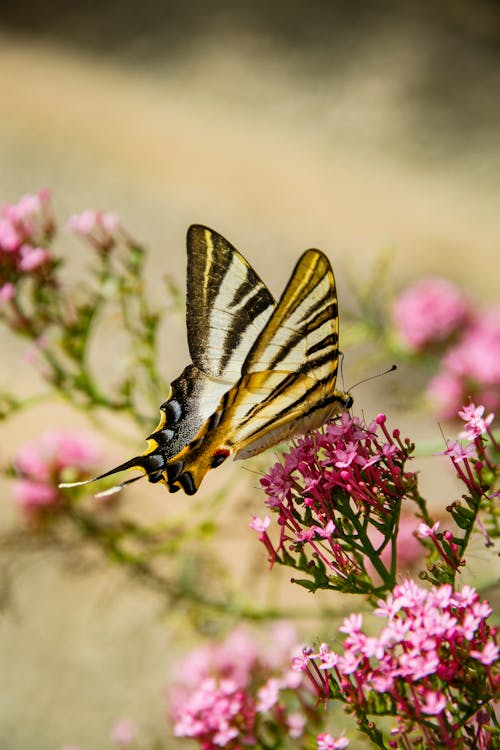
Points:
point(366, 548)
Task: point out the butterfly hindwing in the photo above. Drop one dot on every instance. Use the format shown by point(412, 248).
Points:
point(302, 333)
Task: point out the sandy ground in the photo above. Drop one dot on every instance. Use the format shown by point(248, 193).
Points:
point(275, 159)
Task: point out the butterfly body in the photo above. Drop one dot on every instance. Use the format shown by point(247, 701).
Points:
point(261, 371)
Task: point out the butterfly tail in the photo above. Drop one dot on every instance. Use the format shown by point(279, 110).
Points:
point(150, 464)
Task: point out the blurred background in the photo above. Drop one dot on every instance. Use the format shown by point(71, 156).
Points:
point(358, 128)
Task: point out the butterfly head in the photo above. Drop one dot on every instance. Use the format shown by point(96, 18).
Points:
point(348, 400)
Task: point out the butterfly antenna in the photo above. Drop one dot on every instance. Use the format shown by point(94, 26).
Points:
point(372, 377)
point(117, 487)
point(341, 367)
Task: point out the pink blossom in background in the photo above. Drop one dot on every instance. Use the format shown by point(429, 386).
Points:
point(296, 724)
point(34, 496)
point(25, 228)
point(32, 257)
point(7, 291)
point(327, 742)
point(429, 312)
point(29, 221)
point(447, 391)
point(123, 732)
point(56, 450)
point(235, 658)
point(40, 464)
point(477, 355)
point(409, 551)
point(83, 223)
point(100, 228)
point(10, 239)
point(228, 690)
point(471, 368)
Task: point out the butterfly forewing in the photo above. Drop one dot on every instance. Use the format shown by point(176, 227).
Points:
point(303, 330)
point(227, 305)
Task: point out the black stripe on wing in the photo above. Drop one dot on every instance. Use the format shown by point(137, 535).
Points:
point(227, 304)
point(304, 315)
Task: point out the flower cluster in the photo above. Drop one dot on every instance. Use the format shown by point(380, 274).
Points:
point(41, 464)
point(433, 316)
point(434, 666)
point(476, 466)
point(233, 695)
point(338, 497)
point(26, 228)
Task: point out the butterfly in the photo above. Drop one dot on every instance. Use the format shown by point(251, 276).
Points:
point(261, 371)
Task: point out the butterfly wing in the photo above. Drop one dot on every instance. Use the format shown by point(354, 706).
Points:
point(288, 378)
point(227, 307)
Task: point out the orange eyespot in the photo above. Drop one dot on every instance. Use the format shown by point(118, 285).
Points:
point(219, 457)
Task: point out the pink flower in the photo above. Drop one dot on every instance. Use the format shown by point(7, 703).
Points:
point(259, 524)
point(424, 531)
point(433, 703)
point(429, 311)
point(41, 463)
point(34, 497)
point(352, 624)
point(10, 238)
point(475, 424)
point(328, 658)
point(123, 732)
point(7, 291)
point(30, 221)
point(32, 257)
point(100, 228)
point(54, 451)
point(327, 742)
point(457, 452)
point(268, 695)
point(489, 654)
point(300, 662)
point(296, 723)
point(477, 355)
point(83, 223)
